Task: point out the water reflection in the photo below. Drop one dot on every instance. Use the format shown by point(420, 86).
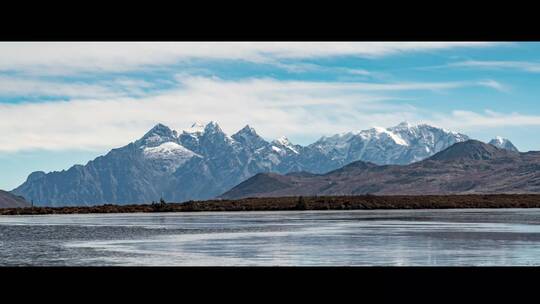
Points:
point(394, 238)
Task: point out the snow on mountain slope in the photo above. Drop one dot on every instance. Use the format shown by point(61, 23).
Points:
point(171, 154)
point(157, 135)
point(202, 162)
point(196, 128)
point(282, 145)
point(401, 144)
point(503, 143)
point(379, 133)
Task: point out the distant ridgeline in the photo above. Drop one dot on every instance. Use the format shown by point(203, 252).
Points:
point(8, 200)
point(203, 162)
point(469, 167)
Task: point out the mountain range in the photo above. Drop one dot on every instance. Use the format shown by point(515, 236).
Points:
point(464, 168)
point(203, 162)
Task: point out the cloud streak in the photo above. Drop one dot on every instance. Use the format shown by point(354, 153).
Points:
point(466, 120)
point(35, 87)
point(526, 66)
point(63, 58)
point(274, 107)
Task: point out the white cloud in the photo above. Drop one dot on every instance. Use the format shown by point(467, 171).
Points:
point(273, 107)
point(123, 87)
point(358, 72)
point(533, 67)
point(468, 120)
point(16, 86)
point(270, 85)
point(490, 83)
point(79, 57)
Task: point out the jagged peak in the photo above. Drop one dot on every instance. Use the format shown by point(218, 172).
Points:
point(160, 130)
point(499, 139)
point(35, 176)
point(159, 134)
point(283, 140)
point(503, 143)
point(247, 130)
point(160, 127)
point(426, 127)
point(248, 136)
point(212, 126)
point(405, 125)
point(196, 127)
point(199, 128)
point(334, 137)
point(389, 132)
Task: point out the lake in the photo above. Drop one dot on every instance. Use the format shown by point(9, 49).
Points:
point(451, 237)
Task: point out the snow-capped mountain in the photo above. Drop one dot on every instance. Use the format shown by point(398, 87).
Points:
point(202, 162)
point(503, 143)
point(160, 146)
point(402, 144)
point(470, 167)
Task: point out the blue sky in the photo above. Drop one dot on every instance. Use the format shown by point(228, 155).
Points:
point(67, 103)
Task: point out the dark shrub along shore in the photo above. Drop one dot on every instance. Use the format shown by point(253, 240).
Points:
point(367, 202)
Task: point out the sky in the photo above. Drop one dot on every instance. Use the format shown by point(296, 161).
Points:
point(66, 103)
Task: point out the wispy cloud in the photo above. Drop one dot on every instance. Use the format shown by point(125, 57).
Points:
point(274, 107)
point(304, 67)
point(269, 85)
point(526, 66)
point(358, 72)
point(490, 83)
point(466, 120)
point(21, 87)
point(61, 58)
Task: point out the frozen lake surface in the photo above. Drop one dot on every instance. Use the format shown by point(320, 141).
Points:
point(471, 237)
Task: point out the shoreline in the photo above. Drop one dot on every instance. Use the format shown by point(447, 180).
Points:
point(361, 202)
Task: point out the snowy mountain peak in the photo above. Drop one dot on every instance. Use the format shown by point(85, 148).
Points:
point(196, 127)
point(503, 143)
point(160, 133)
point(160, 129)
point(337, 137)
point(499, 140)
point(401, 144)
point(247, 133)
point(207, 162)
point(212, 127)
point(283, 140)
point(170, 154)
point(378, 132)
point(247, 130)
point(249, 138)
